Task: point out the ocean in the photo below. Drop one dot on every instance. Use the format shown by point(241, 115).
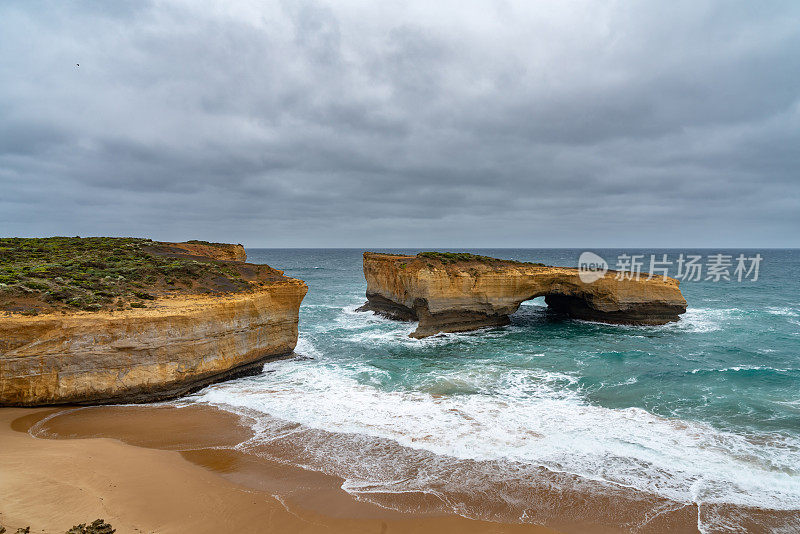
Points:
point(513, 423)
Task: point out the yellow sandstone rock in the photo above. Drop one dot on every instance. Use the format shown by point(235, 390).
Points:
point(455, 296)
point(175, 345)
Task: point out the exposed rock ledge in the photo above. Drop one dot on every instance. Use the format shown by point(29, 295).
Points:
point(176, 345)
point(456, 296)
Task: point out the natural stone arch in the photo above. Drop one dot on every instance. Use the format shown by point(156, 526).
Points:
point(475, 292)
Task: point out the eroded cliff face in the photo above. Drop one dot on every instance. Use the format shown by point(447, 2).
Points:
point(175, 345)
point(466, 295)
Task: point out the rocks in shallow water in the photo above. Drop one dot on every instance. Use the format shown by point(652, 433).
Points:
point(457, 293)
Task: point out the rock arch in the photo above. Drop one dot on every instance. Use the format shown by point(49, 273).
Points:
point(464, 292)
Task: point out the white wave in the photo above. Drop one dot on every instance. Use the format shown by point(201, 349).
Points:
point(528, 416)
point(702, 320)
point(350, 319)
point(737, 368)
point(351, 310)
point(695, 320)
point(627, 382)
point(398, 335)
point(306, 348)
point(784, 311)
point(538, 302)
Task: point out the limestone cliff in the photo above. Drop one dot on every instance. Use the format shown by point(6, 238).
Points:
point(460, 295)
point(174, 345)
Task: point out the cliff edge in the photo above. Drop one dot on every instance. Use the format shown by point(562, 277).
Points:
point(203, 319)
point(460, 292)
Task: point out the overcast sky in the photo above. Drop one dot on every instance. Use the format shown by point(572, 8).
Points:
point(403, 123)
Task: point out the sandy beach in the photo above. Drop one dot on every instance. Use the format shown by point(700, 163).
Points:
point(169, 471)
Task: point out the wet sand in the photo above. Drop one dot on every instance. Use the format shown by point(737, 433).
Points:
point(165, 470)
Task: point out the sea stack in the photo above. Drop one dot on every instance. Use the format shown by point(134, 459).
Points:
point(449, 292)
point(129, 320)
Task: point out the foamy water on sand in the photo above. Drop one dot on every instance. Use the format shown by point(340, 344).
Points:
point(699, 417)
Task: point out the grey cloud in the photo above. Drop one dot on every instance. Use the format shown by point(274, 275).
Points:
point(358, 124)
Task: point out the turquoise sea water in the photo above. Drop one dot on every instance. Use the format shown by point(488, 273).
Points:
point(702, 412)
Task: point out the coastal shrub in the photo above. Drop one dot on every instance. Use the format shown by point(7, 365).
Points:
point(76, 302)
point(455, 257)
point(32, 284)
point(79, 272)
point(62, 294)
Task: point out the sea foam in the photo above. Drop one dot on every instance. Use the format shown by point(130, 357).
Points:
point(525, 416)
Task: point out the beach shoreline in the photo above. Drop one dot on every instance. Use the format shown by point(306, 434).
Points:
point(150, 478)
point(177, 468)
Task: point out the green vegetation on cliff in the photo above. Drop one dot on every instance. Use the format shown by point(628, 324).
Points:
point(95, 273)
point(455, 257)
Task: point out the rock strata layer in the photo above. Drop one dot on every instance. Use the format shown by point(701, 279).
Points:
point(175, 345)
point(462, 295)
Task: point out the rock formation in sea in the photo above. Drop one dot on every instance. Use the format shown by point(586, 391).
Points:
point(210, 318)
point(461, 292)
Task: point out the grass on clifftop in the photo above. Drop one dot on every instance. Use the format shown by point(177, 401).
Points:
point(456, 257)
point(95, 273)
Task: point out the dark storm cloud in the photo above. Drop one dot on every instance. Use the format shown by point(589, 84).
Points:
point(366, 124)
